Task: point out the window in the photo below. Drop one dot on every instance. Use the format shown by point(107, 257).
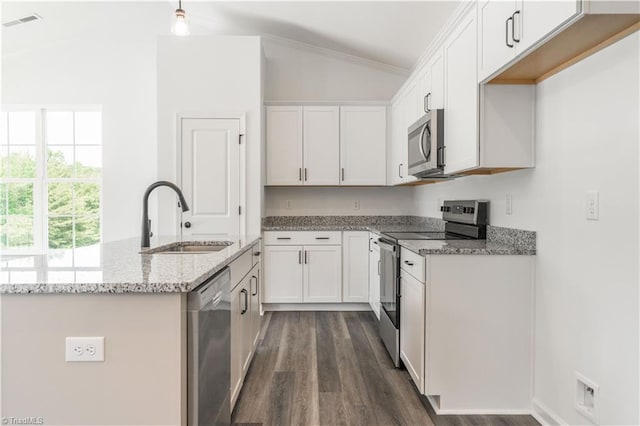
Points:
point(51, 172)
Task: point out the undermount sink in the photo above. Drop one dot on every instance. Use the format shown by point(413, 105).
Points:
point(189, 247)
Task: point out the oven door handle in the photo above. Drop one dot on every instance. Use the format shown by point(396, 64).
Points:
point(386, 246)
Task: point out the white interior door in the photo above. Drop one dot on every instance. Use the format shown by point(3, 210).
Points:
point(210, 175)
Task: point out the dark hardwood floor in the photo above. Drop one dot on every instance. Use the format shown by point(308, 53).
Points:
point(330, 368)
point(325, 368)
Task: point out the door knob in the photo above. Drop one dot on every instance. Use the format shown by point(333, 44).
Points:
point(187, 225)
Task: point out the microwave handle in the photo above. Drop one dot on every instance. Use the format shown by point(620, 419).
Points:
point(441, 162)
point(422, 151)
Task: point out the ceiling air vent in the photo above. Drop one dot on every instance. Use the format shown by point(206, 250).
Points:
point(24, 20)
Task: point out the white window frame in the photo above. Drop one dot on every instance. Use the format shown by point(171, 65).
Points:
point(41, 181)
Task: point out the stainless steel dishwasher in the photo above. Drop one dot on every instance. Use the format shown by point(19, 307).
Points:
point(209, 352)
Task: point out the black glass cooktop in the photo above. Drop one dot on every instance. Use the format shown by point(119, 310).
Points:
point(425, 236)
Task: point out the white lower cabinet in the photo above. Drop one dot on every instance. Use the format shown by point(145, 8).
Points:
point(283, 274)
point(245, 320)
point(322, 274)
point(355, 267)
point(412, 327)
point(303, 273)
point(374, 274)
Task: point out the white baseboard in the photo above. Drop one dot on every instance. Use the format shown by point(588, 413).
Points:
point(316, 307)
point(544, 415)
point(479, 411)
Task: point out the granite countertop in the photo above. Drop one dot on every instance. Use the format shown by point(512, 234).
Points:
point(500, 241)
point(118, 267)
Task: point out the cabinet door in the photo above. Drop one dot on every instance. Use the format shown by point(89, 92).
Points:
point(321, 145)
point(411, 115)
point(374, 279)
point(322, 274)
point(237, 302)
point(363, 144)
point(283, 274)
point(436, 67)
point(539, 18)
point(355, 267)
point(246, 342)
point(284, 145)
point(412, 312)
point(254, 293)
point(461, 97)
point(394, 176)
point(495, 38)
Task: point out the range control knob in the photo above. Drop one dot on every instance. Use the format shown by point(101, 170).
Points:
point(468, 210)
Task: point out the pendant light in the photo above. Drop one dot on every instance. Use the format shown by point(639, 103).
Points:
point(180, 25)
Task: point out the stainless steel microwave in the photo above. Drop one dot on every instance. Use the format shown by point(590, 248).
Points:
point(426, 145)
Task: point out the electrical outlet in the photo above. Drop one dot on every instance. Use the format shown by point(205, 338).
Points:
point(288, 204)
point(84, 349)
point(509, 203)
point(356, 204)
point(593, 205)
point(587, 397)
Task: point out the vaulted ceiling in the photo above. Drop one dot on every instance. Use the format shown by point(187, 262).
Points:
point(389, 32)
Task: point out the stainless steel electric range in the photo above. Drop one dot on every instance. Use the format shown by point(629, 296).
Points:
point(465, 219)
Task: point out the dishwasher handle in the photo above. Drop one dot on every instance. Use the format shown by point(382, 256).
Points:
point(209, 294)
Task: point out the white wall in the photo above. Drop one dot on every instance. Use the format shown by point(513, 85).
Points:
point(117, 73)
point(338, 201)
point(586, 271)
point(296, 72)
point(209, 75)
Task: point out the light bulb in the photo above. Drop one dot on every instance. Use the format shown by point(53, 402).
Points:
point(180, 24)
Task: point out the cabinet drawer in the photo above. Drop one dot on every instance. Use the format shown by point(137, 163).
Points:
point(412, 263)
point(289, 238)
point(241, 267)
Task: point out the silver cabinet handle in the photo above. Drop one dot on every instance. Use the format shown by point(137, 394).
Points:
point(306, 175)
point(254, 293)
point(305, 257)
point(400, 170)
point(406, 262)
point(283, 238)
point(506, 31)
point(378, 268)
point(343, 174)
point(513, 23)
point(322, 238)
point(427, 104)
point(300, 174)
point(246, 301)
point(299, 257)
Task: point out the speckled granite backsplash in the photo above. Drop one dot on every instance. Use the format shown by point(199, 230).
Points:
point(525, 240)
point(352, 221)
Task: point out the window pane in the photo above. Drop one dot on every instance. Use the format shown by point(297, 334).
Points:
point(87, 199)
point(88, 256)
point(87, 231)
point(60, 197)
point(22, 161)
point(23, 277)
point(17, 231)
point(88, 128)
point(61, 232)
point(60, 277)
point(59, 258)
point(89, 277)
point(60, 162)
point(59, 128)
point(88, 161)
point(4, 161)
point(20, 199)
point(22, 128)
point(3, 199)
point(3, 128)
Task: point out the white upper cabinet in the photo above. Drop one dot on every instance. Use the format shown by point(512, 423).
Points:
point(431, 84)
point(321, 145)
point(461, 97)
point(394, 151)
point(284, 145)
point(508, 28)
point(326, 145)
point(536, 19)
point(363, 145)
point(496, 46)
